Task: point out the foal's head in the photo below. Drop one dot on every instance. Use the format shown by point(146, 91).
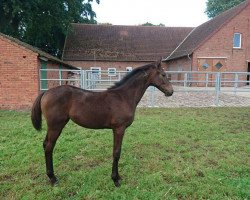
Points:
point(158, 78)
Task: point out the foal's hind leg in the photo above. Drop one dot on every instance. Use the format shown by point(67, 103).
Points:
point(48, 145)
point(118, 136)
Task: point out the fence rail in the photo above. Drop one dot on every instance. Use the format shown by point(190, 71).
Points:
point(183, 81)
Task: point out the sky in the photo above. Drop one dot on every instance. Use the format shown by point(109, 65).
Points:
point(172, 13)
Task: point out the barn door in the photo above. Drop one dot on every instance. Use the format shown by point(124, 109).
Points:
point(44, 83)
point(212, 65)
point(206, 65)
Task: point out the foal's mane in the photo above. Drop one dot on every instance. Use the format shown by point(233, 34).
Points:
point(131, 75)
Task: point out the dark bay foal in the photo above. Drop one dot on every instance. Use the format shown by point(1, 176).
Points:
point(113, 109)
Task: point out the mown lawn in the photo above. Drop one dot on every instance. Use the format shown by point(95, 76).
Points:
point(167, 154)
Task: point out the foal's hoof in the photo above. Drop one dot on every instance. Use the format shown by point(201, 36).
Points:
point(117, 183)
point(117, 180)
point(54, 181)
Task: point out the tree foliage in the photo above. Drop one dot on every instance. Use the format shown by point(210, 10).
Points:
point(150, 24)
point(215, 7)
point(44, 23)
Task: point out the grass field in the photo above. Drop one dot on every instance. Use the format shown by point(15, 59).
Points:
point(167, 154)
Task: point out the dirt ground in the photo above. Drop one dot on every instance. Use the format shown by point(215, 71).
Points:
point(195, 99)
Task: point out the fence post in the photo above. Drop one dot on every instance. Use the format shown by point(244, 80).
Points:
point(119, 76)
point(152, 96)
point(40, 77)
point(236, 80)
point(206, 80)
point(60, 76)
point(82, 78)
point(185, 80)
point(217, 88)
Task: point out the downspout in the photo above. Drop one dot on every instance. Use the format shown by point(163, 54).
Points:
point(191, 69)
point(247, 50)
point(65, 40)
point(179, 45)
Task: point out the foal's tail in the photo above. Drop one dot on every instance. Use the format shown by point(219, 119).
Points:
point(36, 113)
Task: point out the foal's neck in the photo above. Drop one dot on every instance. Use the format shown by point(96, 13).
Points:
point(135, 90)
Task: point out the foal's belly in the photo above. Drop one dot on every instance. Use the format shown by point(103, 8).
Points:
point(90, 124)
point(91, 119)
point(95, 120)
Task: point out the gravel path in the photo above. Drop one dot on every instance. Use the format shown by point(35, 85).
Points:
point(193, 99)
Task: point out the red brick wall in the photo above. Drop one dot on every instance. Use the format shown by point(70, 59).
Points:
point(220, 47)
point(18, 76)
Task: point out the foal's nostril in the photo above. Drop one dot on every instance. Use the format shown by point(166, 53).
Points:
point(169, 93)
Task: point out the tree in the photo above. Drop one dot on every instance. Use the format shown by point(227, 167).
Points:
point(215, 7)
point(150, 24)
point(44, 23)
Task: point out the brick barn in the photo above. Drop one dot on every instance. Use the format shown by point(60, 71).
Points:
point(221, 44)
point(19, 72)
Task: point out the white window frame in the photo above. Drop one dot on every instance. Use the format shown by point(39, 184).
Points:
point(94, 69)
point(111, 71)
point(129, 69)
point(96, 73)
point(237, 47)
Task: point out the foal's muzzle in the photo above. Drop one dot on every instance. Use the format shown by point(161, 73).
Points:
point(169, 93)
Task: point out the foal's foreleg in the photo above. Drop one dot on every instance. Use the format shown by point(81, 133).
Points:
point(118, 136)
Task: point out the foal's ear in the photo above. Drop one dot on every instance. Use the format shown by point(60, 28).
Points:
point(158, 63)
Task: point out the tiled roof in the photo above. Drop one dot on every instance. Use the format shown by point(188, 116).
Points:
point(205, 31)
point(121, 43)
point(36, 50)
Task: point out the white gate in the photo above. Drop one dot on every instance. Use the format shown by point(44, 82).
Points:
point(210, 82)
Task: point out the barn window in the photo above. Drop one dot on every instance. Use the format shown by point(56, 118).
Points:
point(205, 66)
point(129, 69)
point(111, 71)
point(237, 40)
point(95, 70)
point(218, 65)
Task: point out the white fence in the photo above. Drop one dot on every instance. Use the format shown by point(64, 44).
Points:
point(183, 81)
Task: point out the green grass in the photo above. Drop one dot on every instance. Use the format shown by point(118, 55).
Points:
point(166, 154)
